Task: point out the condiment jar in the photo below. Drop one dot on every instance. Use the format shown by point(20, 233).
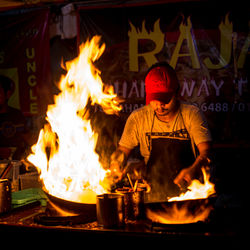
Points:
point(5, 195)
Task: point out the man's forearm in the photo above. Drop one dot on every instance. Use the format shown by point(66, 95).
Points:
point(203, 157)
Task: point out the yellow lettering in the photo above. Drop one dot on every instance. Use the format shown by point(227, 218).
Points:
point(32, 96)
point(32, 80)
point(33, 108)
point(134, 36)
point(185, 34)
point(30, 53)
point(31, 66)
point(226, 29)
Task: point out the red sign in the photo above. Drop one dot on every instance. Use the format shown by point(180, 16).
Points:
point(24, 57)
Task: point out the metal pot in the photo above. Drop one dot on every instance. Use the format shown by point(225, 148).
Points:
point(110, 210)
point(5, 195)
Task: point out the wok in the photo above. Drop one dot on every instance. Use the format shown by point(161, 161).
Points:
point(190, 204)
point(192, 207)
point(76, 208)
point(71, 213)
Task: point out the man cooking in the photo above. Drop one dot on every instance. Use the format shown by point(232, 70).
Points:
point(173, 136)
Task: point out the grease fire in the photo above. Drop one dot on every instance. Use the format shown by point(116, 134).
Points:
point(71, 170)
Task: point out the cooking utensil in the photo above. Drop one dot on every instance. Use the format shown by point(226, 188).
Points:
point(110, 210)
point(72, 207)
point(176, 209)
point(133, 201)
point(191, 204)
point(48, 220)
point(130, 181)
point(5, 196)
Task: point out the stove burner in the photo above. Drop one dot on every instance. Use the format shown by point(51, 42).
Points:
point(54, 217)
point(48, 220)
point(191, 227)
point(200, 227)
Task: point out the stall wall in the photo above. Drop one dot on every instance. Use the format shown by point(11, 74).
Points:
point(25, 58)
point(207, 45)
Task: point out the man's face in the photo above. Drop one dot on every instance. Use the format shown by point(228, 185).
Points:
point(161, 108)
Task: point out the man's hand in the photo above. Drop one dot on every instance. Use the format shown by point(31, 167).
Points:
point(185, 177)
point(115, 171)
point(117, 162)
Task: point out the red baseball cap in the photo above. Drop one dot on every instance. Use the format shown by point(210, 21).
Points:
point(161, 83)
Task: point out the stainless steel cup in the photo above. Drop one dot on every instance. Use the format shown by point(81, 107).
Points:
point(110, 210)
point(134, 203)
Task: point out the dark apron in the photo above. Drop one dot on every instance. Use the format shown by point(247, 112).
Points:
point(168, 157)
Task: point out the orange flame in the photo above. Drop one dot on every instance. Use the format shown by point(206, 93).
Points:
point(65, 151)
point(197, 190)
point(180, 214)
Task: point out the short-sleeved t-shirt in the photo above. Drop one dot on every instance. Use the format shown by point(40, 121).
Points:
point(189, 123)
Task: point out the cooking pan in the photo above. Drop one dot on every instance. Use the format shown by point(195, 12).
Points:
point(191, 204)
point(75, 208)
point(190, 207)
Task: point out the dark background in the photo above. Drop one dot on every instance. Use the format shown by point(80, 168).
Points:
point(110, 19)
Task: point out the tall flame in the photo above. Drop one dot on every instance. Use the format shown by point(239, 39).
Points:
point(65, 151)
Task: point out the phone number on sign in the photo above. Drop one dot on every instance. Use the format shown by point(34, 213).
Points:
point(224, 107)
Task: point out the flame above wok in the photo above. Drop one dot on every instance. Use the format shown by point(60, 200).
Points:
point(192, 206)
point(65, 151)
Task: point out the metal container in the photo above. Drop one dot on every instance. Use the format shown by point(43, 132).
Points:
point(134, 203)
point(74, 208)
point(5, 196)
point(110, 210)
